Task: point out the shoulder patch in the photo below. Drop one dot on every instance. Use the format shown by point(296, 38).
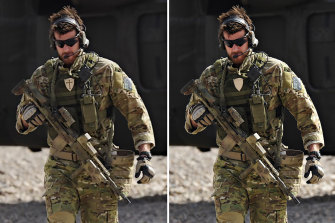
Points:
point(127, 84)
point(296, 82)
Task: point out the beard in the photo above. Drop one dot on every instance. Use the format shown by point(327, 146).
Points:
point(69, 58)
point(240, 57)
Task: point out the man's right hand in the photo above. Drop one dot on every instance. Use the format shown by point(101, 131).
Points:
point(200, 115)
point(31, 116)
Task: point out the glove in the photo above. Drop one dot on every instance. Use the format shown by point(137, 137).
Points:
point(200, 114)
point(32, 115)
point(143, 165)
point(313, 165)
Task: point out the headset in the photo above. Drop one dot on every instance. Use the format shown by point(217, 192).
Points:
point(84, 42)
point(253, 41)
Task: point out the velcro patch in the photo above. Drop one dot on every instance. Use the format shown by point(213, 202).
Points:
point(296, 83)
point(127, 83)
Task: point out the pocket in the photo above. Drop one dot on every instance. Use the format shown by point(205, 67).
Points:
point(220, 189)
point(121, 170)
point(291, 169)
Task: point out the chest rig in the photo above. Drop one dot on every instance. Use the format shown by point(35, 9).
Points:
point(249, 101)
point(74, 92)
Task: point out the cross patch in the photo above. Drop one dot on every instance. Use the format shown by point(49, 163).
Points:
point(69, 83)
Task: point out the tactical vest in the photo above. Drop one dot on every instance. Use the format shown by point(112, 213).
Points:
point(81, 101)
point(249, 101)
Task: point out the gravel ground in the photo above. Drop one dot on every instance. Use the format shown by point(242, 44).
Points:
point(191, 187)
point(21, 190)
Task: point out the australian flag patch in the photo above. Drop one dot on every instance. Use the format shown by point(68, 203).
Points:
point(296, 83)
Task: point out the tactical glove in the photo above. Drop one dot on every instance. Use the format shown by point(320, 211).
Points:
point(143, 165)
point(200, 114)
point(32, 115)
point(313, 165)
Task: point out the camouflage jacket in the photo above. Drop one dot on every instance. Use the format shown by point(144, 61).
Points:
point(110, 86)
point(281, 87)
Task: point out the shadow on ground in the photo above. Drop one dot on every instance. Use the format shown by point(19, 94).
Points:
point(141, 210)
point(311, 210)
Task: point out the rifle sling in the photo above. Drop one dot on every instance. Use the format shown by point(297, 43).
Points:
point(64, 155)
point(234, 155)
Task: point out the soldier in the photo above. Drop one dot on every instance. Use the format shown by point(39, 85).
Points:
point(258, 87)
point(89, 97)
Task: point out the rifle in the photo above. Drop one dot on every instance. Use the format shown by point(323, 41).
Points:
point(230, 120)
point(61, 120)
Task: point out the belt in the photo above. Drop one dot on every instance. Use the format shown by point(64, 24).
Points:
point(234, 156)
point(66, 156)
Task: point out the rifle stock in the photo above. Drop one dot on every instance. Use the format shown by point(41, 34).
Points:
point(61, 121)
point(229, 120)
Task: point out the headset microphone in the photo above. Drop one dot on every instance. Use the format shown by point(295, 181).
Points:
point(235, 56)
point(70, 55)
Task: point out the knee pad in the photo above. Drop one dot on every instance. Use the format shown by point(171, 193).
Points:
point(62, 217)
point(230, 217)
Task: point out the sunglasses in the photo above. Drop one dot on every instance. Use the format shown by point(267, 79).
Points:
point(238, 42)
point(69, 42)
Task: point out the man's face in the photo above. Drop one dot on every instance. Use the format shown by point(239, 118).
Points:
point(65, 52)
point(235, 49)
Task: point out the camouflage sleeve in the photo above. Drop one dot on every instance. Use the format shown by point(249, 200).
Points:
point(188, 125)
point(127, 100)
point(38, 79)
point(19, 125)
point(295, 98)
point(205, 78)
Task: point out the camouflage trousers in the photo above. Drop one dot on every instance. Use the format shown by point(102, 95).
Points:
point(234, 197)
point(65, 197)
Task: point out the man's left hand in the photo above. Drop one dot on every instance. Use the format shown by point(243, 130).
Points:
point(313, 165)
point(143, 166)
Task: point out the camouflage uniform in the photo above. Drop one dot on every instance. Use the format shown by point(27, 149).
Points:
point(280, 88)
point(111, 87)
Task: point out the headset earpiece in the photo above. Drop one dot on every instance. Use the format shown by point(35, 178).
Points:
point(254, 41)
point(84, 41)
point(52, 43)
point(221, 43)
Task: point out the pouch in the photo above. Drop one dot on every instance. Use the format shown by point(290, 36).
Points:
point(121, 170)
point(258, 113)
point(89, 113)
point(291, 169)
